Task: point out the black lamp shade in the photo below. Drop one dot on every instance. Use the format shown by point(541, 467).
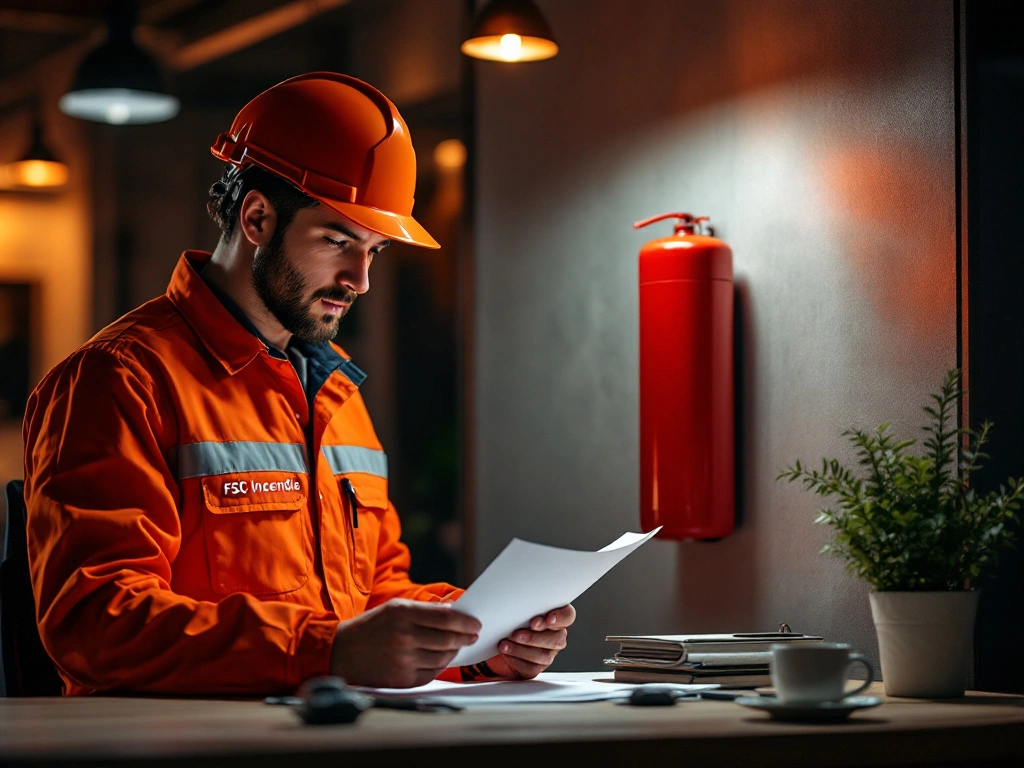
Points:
point(510, 30)
point(119, 63)
point(37, 169)
point(119, 83)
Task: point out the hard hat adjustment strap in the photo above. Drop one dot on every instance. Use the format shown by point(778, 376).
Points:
point(325, 186)
point(311, 182)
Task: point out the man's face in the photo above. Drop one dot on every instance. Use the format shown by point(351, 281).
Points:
point(309, 274)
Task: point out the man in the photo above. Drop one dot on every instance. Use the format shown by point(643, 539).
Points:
point(207, 500)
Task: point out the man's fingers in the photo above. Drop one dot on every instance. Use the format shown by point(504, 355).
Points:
point(528, 653)
point(435, 615)
point(524, 670)
point(433, 660)
point(560, 617)
point(439, 640)
point(424, 676)
point(400, 643)
point(556, 619)
point(553, 639)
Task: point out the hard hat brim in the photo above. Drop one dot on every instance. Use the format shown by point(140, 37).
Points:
point(403, 229)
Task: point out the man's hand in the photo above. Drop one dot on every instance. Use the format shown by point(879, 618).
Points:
point(530, 651)
point(400, 644)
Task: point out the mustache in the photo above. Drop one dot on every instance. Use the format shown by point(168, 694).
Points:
point(340, 295)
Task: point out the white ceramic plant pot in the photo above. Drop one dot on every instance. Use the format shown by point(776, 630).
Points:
point(924, 641)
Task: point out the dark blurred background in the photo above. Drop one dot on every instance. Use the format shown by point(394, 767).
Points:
point(862, 159)
point(136, 198)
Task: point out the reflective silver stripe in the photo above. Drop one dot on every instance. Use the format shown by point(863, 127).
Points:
point(351, 458)
point(201, 459)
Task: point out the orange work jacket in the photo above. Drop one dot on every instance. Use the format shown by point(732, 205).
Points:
point(181, 536)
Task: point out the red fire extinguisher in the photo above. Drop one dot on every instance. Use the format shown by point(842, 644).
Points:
point(686, 383)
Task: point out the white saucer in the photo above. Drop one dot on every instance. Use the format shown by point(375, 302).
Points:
point(825, 712)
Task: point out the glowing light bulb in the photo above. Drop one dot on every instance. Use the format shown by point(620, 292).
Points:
point(35, 173)
point(118, 113)
point(510, 47)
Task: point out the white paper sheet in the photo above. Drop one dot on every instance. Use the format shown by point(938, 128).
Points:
point(528, 580)
point(551, 688)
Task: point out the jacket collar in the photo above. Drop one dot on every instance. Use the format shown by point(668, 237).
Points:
point(225, 337)
point(226, 331)
point(241, 317)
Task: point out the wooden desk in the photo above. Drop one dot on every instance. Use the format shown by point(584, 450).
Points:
point(981, 729)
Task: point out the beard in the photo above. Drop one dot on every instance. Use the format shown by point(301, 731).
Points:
point(283, 290)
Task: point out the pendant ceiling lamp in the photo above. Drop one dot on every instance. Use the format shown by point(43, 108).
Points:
point(510, 30)
point(118, 82)
point(38, 169)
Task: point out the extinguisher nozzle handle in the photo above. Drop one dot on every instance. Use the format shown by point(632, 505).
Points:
point(683, 217)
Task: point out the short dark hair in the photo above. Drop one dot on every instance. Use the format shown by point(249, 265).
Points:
point(227, 194)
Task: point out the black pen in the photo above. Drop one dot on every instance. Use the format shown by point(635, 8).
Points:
point(352, 500)
point(415, 705)
point(381, 702)
point(726, 694)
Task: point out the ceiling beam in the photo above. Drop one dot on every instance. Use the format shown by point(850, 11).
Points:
point(159, 10)
point(247, 33)
point(69, 25)
point(180, 56)
point(47, 23)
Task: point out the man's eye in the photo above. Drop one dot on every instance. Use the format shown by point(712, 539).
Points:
point(335, 243)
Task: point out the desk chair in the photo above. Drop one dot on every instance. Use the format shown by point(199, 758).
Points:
point(27, 669)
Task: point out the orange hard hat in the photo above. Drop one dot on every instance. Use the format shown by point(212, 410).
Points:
point(339, 140)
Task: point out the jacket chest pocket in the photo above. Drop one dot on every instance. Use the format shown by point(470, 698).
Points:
point(257, 537)
point(365, 499)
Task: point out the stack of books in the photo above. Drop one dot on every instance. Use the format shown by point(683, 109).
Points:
point(738, 659)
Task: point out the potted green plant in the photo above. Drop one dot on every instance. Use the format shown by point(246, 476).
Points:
point(910, 523)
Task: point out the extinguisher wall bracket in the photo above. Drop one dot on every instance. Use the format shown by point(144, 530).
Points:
point(701, 226)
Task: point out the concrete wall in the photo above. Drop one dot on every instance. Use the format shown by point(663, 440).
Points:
point(819, 137)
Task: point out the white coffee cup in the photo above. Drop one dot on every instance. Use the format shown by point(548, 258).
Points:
point(814, 673)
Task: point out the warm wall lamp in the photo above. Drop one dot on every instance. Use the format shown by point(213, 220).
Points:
point(510, 30)
point(118, 82)
point(38, 169)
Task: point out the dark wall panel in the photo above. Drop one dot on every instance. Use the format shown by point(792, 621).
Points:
point(820, 138)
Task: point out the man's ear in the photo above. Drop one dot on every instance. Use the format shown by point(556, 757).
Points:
point(257, 218)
